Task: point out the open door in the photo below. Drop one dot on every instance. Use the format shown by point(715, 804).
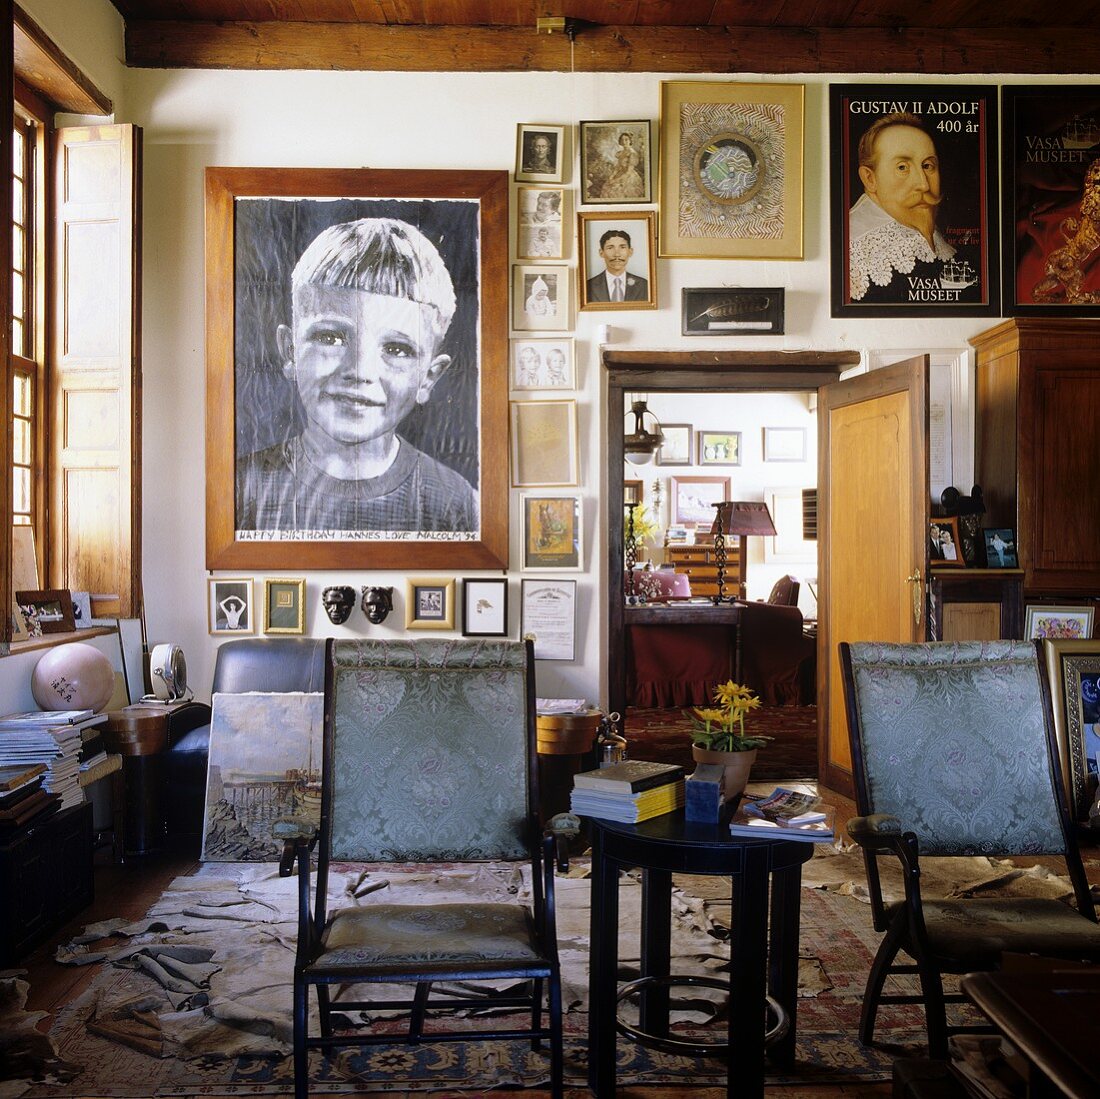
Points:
point(873, 511)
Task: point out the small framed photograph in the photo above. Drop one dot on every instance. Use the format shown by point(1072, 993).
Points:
point(52, 609)
point(540, 298)
point(541, 213)
point(548, 616)
point(675, 448)
point(543, 363)
point(633, 493)
point(693, 499)
point(285, 606)
point(723, 311)
point(540, 153)
point(430, 603)
point(719, 448)
point(229, 605)
point(1000, 548)
point(1073, 668)
point(1058, 623)
point(82, 609)
point(544, 444)
point(615, 161)
point(944, 546)
point(617, 267)
point(485, 608)
point(784, 444)
point(552, 533)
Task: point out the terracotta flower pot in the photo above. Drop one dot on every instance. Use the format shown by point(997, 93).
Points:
point(737, 766)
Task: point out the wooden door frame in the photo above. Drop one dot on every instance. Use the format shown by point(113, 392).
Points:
point(685, 371)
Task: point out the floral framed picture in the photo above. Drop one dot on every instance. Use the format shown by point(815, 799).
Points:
point(1054, 623)
point(552, 533)
point(485, 608)
point(1073, 668)
point(615, 159)
point(544, 444)
point(719, 448)
point(541, 214)
point(944, 544)
point(430, 603)
point(285, 606)
point(731, 170)
point(543, 363)
point(229, 607)
point(675, 448)
point(540, 153)
point(692, 499)
point(617, 267)
point(540, 297)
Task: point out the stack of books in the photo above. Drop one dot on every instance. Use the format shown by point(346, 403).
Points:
point(22, 799)
point(631, 791)
point(53, 738)
point(785, 814)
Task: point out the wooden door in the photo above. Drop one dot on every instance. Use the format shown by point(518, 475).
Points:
point(873, 510)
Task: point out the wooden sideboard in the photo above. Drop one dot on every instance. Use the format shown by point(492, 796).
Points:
point(699, 563)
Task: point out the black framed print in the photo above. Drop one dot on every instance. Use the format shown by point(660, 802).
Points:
point(729, 311)
point(913, 200)
point(485, 607)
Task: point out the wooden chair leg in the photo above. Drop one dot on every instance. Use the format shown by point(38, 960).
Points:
point(876, 979)
point(301, 1032)
point(557, 1051)
point(935, 1010)
point(536, 1010)
point(324, 1009)
point(419, 1010)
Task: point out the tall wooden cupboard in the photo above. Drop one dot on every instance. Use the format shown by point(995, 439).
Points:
point(1037, 448)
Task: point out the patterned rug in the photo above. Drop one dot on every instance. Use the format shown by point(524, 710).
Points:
point(189, 1058)
point(665, 736)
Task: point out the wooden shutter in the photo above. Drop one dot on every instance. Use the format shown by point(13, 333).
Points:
point(7, 109)
point(95, 369)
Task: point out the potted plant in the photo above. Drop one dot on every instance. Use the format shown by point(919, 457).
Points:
point(718, 734)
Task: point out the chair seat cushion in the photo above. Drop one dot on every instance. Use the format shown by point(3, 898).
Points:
point(402, 934)
point(974, 933)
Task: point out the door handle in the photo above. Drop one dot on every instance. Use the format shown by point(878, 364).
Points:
point(918, 596)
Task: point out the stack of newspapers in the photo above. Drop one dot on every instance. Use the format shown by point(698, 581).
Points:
point(628, 792)
point(784, 814)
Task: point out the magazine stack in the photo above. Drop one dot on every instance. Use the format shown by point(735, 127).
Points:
point(784, 814)
point(631, 791)
point(53, 738)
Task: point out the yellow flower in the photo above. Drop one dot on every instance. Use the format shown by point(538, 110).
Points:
point(710, 715)
point(730, 693)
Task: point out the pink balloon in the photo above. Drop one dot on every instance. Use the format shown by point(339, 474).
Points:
point(76, 676)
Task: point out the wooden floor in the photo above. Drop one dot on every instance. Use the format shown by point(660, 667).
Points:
point(127, 890)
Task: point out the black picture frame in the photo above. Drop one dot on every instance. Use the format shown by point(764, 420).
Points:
point(960, 277)
point(495, 591)
point(1049, 138)
point(999, 548)
point(728, 311)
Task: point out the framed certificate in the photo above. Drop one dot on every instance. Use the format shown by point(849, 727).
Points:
point(548, 616)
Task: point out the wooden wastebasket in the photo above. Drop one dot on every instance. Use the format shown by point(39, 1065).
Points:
point(139, 733)
point(566, 745)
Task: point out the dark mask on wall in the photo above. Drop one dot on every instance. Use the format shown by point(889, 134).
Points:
point(377, 603)
point(338, 603)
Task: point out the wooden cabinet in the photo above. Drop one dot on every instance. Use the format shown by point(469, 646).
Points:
point(45, 878)
point(699, 563)
point(975, 604)
point(1037, 458)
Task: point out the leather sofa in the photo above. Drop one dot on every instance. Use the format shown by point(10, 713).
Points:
point(241, 665)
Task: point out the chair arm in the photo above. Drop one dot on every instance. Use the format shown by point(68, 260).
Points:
point(559, 830)
point(879, 830)
point(298, 835)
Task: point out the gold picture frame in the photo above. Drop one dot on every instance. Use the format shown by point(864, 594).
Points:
point(731, 170)
point(544, 444)
point(430, 603)
point(1073, 668)
point(633, 232)
point(285, 605)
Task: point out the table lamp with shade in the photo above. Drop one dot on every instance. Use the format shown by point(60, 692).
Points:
point(743, 518)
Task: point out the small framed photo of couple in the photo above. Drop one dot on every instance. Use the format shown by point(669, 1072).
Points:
point(543, 363)
point(615, 162)
point(541, 214)
point(1000, 548)
point(430, 603)
point(944, 547)
point(540, 297)
point(229, 605)
point(617, 260)
point(540, 153)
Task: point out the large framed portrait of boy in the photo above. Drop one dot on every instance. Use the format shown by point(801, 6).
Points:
point(913, 200)
point(356, 357)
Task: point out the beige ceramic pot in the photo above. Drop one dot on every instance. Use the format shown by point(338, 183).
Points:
point(737, 766)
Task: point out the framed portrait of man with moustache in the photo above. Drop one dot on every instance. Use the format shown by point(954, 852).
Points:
point(914, 229)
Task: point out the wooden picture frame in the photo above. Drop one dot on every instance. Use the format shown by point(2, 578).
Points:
point(259, 222)
point(543, 362)
point(884, 264)
point(542, 218)
point(552, 533)
point(541, 300)
point(236, 617)
point(541, 155)
point(676, 447)
point(718, 448)
point(52, 609)
point(430, 603)
point(999, 546)
point(633, 492)
point(548, 616)
point(485, 607)
point(1048, 142)
point(285, 605)
point(615, 161)
point(731, 170)
point(784, 444)
point(944, 543)
point(691, 500)
point(1058, 623)
point(1073, 668)
point(729, 311)
point(544, 444)
point(615, 244)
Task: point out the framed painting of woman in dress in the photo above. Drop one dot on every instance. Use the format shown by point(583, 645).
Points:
point(615, 162)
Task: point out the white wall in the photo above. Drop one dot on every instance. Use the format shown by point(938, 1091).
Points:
point(192, 119)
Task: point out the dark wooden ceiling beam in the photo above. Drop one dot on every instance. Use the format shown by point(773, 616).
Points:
point(370, 47)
